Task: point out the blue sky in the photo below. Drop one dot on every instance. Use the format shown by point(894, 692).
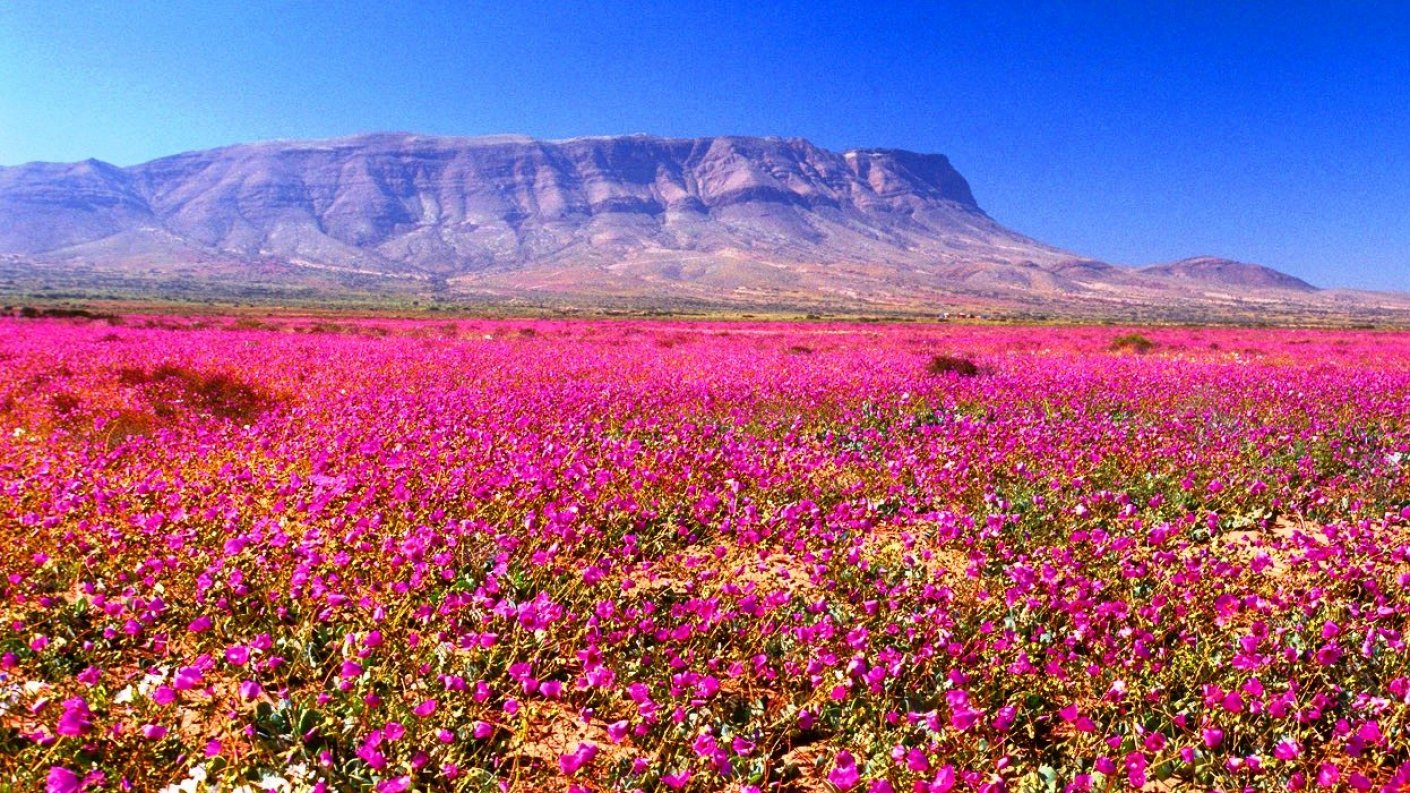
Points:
point(1131, 132)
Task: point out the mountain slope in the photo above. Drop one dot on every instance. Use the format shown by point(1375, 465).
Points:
point(637, 219)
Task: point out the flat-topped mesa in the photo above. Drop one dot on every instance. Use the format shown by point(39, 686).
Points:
point(455, 203)
point(729, 219)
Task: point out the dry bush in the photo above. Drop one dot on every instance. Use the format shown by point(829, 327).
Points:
point(173, 387)
point(952, 364)
point(1132, 341)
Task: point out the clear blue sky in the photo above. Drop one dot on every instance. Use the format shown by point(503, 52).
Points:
point(1131, 132)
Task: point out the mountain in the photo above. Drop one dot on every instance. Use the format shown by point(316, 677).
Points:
point(1227, 272)
point(630, 220)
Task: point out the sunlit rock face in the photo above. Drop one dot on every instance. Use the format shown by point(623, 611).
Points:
point(732, 220)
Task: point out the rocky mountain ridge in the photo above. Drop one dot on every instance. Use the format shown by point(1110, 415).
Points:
point(729, 221)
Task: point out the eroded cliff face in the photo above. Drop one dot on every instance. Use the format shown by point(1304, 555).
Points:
point(732, 220)
point(455, 204)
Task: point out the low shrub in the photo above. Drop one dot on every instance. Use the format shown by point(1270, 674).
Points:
point(1132, 341)
point(952, 364)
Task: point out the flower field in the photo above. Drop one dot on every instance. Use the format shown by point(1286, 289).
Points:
point(401, 555)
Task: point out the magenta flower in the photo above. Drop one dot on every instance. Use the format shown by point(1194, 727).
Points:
point(944, 780)
point(676, 781)
point(237, 655)
point(1136, 769)
point(62, 780)
point(582, 756)
point(153, 732)
point(394, 785)
point(76, 719)
point(426, 708)
point(187, 677)
point(1370, 732)
point(1233, 702)
point(1328, 654)
point(844, 774)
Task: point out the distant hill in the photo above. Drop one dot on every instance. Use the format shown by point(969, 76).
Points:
point(631, 220)
point(1227, 272)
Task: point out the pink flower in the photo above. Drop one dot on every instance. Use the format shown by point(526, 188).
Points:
point(1328, 775)
point(396, 785)
point(76, 719)
point(351, 669)
point(1004, 718)
point(844, 774)
point(249, 689)
point(676, 781)
point(1287, 750)
point(962, 716)
point(1136, 769)
point(1213, 736)
point(237, 655)
point(62, 780)
point(187, 677)
point(153, 732)
point(617, 730)
point(482, 730)
point(583, 755)
point(199, 625)
point(1370, 732)
point(1328, 654)
point(425, 709)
